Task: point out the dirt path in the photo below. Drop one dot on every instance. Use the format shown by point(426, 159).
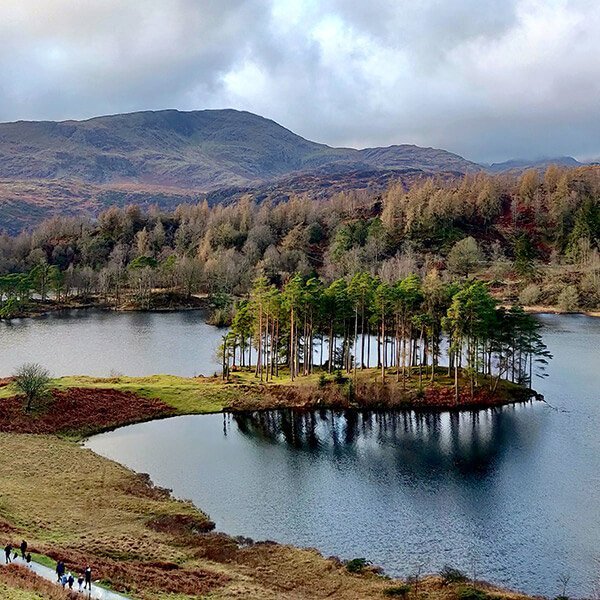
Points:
point(97, 593)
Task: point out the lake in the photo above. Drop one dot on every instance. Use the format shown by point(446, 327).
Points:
point(511, 493)
point(102, 343)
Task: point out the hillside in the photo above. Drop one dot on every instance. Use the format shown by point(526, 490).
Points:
point(205, 150)
point(541, 164)
point(26, 203)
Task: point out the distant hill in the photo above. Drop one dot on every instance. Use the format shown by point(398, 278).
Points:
point(522, 164)
point(25, 203)
point(204, 150)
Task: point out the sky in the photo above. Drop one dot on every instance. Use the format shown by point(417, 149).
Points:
point(487, 79)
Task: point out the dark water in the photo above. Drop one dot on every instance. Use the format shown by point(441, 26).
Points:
point(512, 493)
point(102, 343)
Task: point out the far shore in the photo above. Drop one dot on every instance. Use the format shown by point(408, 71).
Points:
point(553, 310)
point(160, 303)
point(172, 302)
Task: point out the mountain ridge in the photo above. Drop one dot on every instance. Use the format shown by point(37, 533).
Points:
point(167, 157)
point(204, 149)
point(543, 162)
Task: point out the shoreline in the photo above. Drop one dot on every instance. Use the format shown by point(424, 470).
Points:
point(553, 310)
point(182, 520)
point(203, 303)
point(81, 406)
point(184, 525)
point(42, 309)
point(336, 409)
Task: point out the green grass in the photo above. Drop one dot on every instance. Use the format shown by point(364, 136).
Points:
point(43, 560)
point(201, 395)
point(185, 395)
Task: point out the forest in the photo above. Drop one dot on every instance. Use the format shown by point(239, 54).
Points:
point(308, 324)
point(533, 238)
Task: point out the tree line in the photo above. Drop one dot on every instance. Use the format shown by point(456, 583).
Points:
point(535, 236)
point(417, 325)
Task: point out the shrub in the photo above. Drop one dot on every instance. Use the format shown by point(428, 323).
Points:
point(451, 575)
point(357, 565)
point(530, 294)
point(349, 390)
point(220, 317)
point(590, 287)
point(568, 299)
point(323, 381)
point(397, 591)
point(339, 378)
point(464, 257)
point(33, 381)
point(470, 593)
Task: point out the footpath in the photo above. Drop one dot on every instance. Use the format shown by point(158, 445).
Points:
point(97, 592)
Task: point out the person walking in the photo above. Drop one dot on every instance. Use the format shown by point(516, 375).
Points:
point(23, 549)
point(70, 580)
point(80, 581)
point(60, 569)
point(7, 551)
point(28, 559)
point(63, 581)
point(88, 578)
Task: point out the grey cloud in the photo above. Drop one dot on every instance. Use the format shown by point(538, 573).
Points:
point(489, 80)
point(69, 58)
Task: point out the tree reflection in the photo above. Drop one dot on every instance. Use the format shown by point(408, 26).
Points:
point(469, 444)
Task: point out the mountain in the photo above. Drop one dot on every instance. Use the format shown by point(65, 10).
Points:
point(202, 150)
point(522, 164)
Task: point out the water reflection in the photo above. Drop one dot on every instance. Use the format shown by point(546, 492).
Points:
point(515, 488)
point(461, 444)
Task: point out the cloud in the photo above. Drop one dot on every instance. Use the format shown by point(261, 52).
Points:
point(489, 80)
point(73, 58)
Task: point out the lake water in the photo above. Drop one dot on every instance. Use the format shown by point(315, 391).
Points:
point(102, 343)
point(512, 493)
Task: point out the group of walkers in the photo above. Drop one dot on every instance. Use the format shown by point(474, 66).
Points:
point(84, 580)
point(11, 553)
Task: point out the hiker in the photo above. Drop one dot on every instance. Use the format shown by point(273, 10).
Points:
point(28, 559)
point(7, 551)
point(63, 581)
point(60, 569)
point(70, 581)
point(88, 578)
point(23, 549)
point(80, 582)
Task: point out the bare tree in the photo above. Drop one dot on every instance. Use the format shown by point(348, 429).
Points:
point(564, 579)
point(415, 578)
point(33, 380)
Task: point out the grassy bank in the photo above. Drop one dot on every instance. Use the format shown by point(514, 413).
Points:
point(78, 406)
point(72, 504)
point(17, 583)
